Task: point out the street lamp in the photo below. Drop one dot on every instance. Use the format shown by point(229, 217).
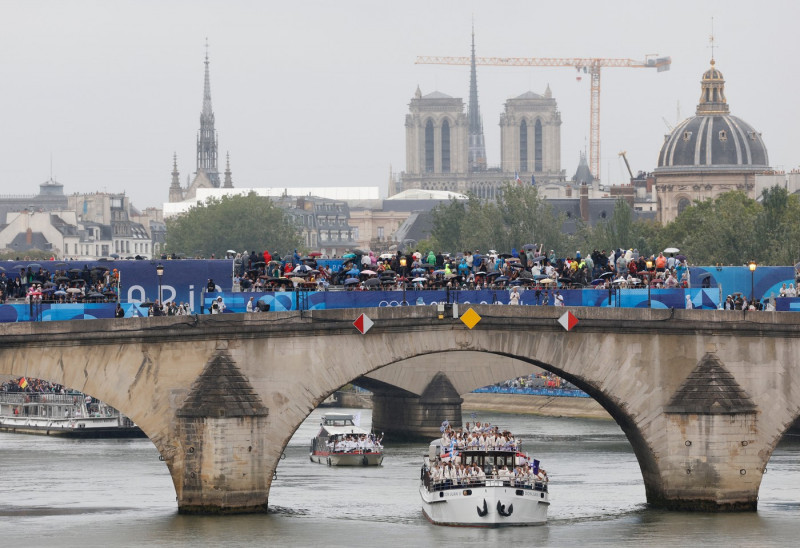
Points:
point(752, 266)
point(160, 274)
point(649, 265)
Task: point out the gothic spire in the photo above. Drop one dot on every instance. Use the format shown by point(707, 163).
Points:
point(477, 148)
point(175, 175)
point(207, 138)
point(228, 179)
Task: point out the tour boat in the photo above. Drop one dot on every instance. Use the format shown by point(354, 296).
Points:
point(341, 442)
point(70, 415)
point(491, 498)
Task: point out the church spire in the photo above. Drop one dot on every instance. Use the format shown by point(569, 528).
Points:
point(477, 148)
point(175, 191)
point(207, 138)
point(228, 179)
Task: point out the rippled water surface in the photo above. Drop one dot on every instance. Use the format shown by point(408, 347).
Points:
point(56, 492)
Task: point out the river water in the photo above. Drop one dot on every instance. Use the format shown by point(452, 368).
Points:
point(57, 492)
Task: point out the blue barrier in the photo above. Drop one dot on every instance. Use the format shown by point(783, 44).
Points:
point(555, 392)
point(321, 300)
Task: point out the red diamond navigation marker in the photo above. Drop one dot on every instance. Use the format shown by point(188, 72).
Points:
point(363, 323)
point(568, 320)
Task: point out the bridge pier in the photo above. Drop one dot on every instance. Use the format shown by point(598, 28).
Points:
point(403, 415)
point(219, 456)
point(712, 459)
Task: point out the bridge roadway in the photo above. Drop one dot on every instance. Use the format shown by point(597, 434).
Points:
point(702, 396)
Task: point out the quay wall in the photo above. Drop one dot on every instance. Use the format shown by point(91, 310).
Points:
point(548, 406)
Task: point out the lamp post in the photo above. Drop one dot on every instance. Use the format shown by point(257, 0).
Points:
point(160, 274)
point(649, 264)
point(752, 266)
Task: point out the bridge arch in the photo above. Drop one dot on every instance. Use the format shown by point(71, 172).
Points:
point(221, 454)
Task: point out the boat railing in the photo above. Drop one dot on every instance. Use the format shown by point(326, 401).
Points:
point(41, 397)
point(490, 481)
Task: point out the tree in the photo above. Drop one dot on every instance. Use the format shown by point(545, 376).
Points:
point(519, 216)
point(232, 222)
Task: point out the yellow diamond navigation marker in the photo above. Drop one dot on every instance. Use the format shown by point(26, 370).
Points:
point(470, 318)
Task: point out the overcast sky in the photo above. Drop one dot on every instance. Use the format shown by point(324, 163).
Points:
point(316, 93)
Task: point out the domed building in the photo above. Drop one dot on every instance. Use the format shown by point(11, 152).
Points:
point(708, 154)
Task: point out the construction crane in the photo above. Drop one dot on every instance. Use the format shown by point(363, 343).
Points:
point(588, 65)
point(624, 157)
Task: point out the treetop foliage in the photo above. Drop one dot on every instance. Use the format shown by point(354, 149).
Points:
point(731, 230)
point(248, 222)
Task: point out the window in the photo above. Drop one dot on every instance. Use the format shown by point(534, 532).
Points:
point(523, 146)
point(687, 135)
point(445, 147)
point(723, 136)
point(429, 147)
point(380, 233)
point(537, 146)
point(683, 203)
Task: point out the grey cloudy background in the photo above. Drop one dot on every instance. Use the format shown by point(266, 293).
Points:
point(316, 92)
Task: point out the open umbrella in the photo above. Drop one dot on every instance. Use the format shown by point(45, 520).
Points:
point(529, 247)
point(492, 274)
point(114, 256)
point(671, 250)
point(387, 281)
point(34, 265)
point(73, 290)
point(565, 280)
point(680, 257)
point(437, 272)
point(351, 281)
point(296, 280)
point(481, 274)
point(387, 255)
point(231, 251)
point(598, 281)
point(259, 263)
point(606, 274)
point(547, 281)
point(315, 254)
point(388, 273)
point(372, 282)
point(419, 280)
point(501, 279)
point(368, 272)
point(302, 268)
point(60, 293)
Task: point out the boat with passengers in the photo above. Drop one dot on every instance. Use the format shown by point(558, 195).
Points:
point(341, 442)
point(70, 414)
point(482, 479)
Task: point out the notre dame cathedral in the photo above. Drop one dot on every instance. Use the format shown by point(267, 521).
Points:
point(445, 146)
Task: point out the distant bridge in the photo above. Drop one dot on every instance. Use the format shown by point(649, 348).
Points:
point(702, 396)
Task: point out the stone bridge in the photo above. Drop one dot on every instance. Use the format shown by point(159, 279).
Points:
point(702, 396)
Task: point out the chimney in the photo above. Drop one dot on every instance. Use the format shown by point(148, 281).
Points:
point(569, 191)
point(585, 202)
point(29, 236)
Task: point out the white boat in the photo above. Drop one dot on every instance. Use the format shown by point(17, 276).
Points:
point(71, 415)
point(492, 496)
point(341, 442)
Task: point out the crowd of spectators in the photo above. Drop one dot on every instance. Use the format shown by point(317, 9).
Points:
point(35, 283)
point(529, 266)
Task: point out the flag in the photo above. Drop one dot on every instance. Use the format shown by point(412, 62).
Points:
point(533, 180)
point(23, 383)
point(516, 178)
point(357, 419)
point(535, 466)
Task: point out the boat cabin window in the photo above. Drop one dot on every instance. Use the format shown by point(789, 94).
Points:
point(338, 421)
